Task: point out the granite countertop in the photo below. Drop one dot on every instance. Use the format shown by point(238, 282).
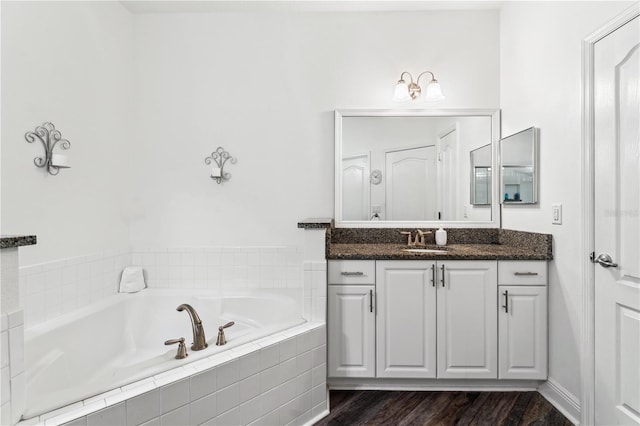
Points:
point(11, 241)
point(454, 252)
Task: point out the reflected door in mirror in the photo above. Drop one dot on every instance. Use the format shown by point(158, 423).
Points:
point(411, 184)
point(355, 192)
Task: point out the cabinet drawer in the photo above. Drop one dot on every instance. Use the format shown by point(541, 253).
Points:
point(522, 272)
point(352, 272)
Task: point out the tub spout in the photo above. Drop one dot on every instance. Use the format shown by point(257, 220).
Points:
point(199, 341)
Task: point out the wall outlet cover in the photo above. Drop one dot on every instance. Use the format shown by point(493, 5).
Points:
point(556, 214)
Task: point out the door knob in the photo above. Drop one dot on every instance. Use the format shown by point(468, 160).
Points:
point(605, 261)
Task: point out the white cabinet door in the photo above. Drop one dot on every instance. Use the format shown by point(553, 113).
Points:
point(351, 331)
point(522, 332)
point(406, 319)
point(467, 319)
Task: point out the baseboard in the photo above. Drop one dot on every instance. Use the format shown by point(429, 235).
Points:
point(434, 384)
point(562, 399)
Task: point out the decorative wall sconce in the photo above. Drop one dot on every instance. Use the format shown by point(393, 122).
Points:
point(49, 137)
point(405, 92)
point(219, 158)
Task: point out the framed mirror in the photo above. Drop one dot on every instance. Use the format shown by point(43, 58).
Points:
point(411, 168)
point(481, 176)
point(519, 170)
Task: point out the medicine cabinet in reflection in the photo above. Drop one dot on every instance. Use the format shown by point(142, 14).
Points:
point(519, 159)
point(481, 176)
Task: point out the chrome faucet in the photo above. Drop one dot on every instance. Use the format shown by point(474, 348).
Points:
point(199, 341)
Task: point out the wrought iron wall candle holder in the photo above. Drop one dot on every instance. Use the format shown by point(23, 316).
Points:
point(49, 136)
point(219, 158)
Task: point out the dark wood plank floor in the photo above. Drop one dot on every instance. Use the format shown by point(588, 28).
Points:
point(351, 408)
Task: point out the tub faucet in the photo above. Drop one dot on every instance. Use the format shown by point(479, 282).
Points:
point(199, 341)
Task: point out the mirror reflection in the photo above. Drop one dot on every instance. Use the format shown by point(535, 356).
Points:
point(414, 168)
point(519, 168)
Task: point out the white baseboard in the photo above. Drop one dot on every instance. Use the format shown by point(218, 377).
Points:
point(562, 399)
point(433, 384)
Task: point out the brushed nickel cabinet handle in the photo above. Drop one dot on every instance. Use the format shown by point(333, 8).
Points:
point(525, 273)
point(433, 275)
point(352, 274)
point(442, 267)
point(370, 300)
point(506, 301)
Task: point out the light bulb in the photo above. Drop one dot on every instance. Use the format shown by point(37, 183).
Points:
point(401, 92)
point(433, 92)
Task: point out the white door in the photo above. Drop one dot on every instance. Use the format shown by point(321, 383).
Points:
point(406, 319)
point(617, 226)
point(448, 175)
point(410, 172)
point(467, 319)
point(522, 332)
point(351, 331)
point(355, 187)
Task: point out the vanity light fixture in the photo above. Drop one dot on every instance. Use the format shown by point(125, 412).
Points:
point(411, 91)
point(49, 136)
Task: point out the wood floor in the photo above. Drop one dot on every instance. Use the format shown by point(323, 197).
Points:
point(441, 408)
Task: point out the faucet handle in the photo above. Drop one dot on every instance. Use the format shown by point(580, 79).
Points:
point(222, 340)
point(227, 325)
point(182, 348)
point(408, 234)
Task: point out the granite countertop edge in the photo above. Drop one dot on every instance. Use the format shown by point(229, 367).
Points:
point(11, 241)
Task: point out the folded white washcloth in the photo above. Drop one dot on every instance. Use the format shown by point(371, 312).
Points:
point(132, 280)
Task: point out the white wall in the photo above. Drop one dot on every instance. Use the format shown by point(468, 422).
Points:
point(540, 68)
point(69, 63)
point(264, 86)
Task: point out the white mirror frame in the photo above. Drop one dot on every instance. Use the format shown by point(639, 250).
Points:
point(494, 114)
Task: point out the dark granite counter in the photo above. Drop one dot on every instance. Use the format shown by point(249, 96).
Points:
point(316, 223)
point(462, 244)
point(11, 241)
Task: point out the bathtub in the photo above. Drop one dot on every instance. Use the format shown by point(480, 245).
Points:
point(120, 340)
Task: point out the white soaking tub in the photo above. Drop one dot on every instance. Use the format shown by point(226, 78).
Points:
point(120, 340)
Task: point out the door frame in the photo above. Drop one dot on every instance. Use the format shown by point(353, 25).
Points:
point(587, 243)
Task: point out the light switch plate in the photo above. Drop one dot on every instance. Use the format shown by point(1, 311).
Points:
point(556, 214)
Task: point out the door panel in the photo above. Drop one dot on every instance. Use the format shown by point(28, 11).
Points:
point(467, 319)
point(355, 187)
point(406, 319)
point(617, 225)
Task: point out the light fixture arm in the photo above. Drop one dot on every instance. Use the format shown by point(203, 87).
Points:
point(402, 76)
point(433, 77)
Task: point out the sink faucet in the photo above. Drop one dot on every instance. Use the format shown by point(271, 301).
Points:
point(419, 237)
point(199, 341)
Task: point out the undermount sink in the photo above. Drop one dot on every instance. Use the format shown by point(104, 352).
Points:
point(420, 250)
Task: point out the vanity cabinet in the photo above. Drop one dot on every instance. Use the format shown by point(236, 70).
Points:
point(351, 321)
point(522, 321)
point(467, 321)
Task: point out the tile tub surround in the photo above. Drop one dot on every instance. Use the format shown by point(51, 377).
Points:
point(12, 374)
point(10, 241)
point(462, 244)
point(277, 380)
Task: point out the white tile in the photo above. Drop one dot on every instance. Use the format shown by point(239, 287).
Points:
point(203, 383)
point(18, 395)
point(303, 362)
point(319, 409)
point(304, 418)
point(318, 337)
point(319, 395)
point(5, 414)
point(287, 392)
point(288, 412)
point(319, 355)
point(319, 374)
point(203, 409)
point(250, 411)
point(5, 385)
point(212, 422)
point(228, 397)
point(114, 415)
point(250, 387)
point(250, 364)
point(4, 348)
point(16, 349)
point(304, 342)
point(269, 419)
point(304, 402)
point(4, 322)
point(269, 401)
point(288, 349)
point(288, 370)
point(177, 417)
point(270, 378)
point(16, 318)
point(230, 418)
point(304, 382)
point(143, 407)
point(269, 356)
point(174, 395)
point(227, 373)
